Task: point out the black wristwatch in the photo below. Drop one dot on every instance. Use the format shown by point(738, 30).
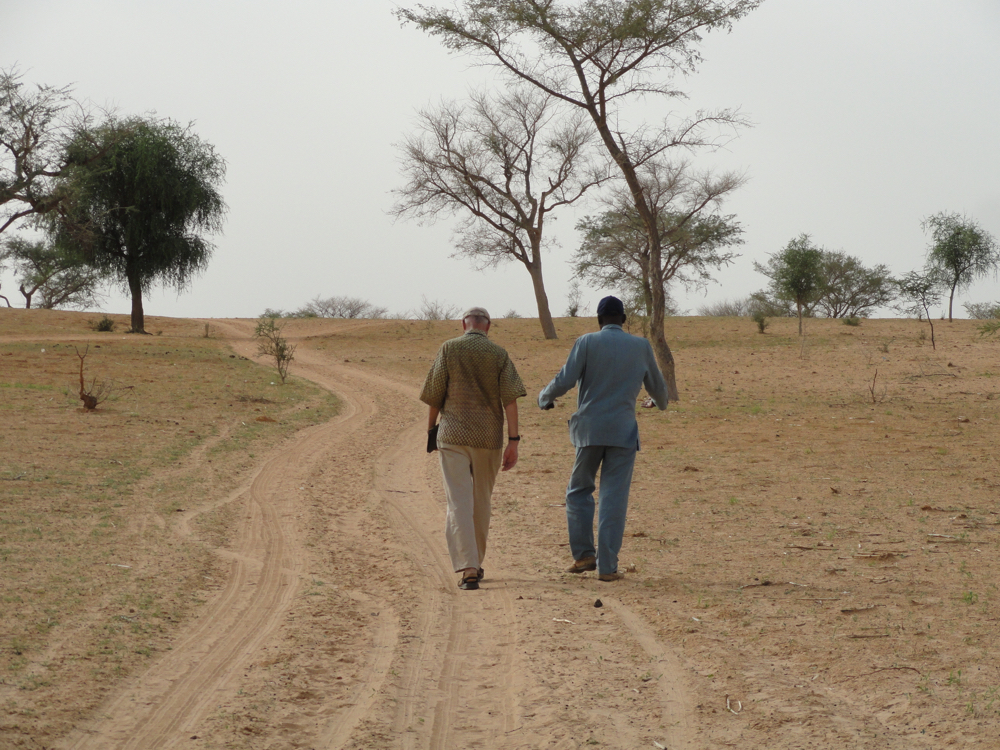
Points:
point(515, 439)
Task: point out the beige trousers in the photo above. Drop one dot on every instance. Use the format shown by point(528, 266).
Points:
point(469, 475)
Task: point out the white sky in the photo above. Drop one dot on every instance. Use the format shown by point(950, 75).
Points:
point(870, 115)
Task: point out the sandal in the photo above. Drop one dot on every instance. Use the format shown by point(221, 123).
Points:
point(469, 583)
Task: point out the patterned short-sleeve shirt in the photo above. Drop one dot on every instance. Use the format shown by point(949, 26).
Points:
point(470, 382)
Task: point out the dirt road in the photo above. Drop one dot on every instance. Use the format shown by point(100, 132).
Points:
point(341, 626)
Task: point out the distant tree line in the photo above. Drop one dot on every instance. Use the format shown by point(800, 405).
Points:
point(811, 281)
point(356, 308)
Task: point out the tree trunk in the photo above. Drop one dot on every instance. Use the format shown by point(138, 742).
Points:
point(647, 295)
point(542, 300)
point(138, 318)
point(657, 337)
point(27, 297)
point(951, 301)
point(798, 309)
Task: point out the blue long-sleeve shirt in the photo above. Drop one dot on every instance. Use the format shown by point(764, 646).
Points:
point(610, 366)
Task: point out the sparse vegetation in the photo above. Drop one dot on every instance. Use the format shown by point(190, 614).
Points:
point(103, 325)
point(737, 308)
point(573, 300)
point(437, 310)
point(337, 307)
point(982, 310)
point(919, 292)
point(272, 343)
point(98, 391)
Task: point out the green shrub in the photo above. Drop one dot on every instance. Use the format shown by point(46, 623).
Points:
point(105, 324)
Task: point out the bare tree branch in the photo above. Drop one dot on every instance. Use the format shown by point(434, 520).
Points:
point(501, 163)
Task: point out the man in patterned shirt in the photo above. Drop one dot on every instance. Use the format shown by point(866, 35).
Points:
point(472, 385)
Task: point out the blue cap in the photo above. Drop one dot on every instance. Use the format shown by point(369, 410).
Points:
point(610, 306)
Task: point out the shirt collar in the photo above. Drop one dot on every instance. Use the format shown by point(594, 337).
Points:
point(612, 325)
point(475, 331)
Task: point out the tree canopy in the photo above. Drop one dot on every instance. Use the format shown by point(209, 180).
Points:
point(960, 250)
point(850, 289)
point(615, 251)
point(796, 274)
point(57, 275)
point(141, 206)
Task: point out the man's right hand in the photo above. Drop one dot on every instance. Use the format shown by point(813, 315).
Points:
point(509, 456)
point(550, 405)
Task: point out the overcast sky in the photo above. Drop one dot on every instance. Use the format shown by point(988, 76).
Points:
point(869, 116)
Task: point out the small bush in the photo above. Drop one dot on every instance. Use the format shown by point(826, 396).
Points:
point(573, 304)
point(982, 310)
point(104, 325)
point(737, 308)
point(852, 321)
point(761, 302)
point(271, 343)
point(761, 320)
point(989, 328)
point(436, 310)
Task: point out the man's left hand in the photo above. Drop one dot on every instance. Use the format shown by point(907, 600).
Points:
point(509, 456)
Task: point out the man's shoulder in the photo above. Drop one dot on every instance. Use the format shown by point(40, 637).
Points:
point(474, 342)
point(619, 334)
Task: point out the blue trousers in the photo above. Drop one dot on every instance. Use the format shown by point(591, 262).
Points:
point(616, 466)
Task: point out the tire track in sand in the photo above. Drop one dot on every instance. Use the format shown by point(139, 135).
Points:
point(170, 700)
point(457, 683)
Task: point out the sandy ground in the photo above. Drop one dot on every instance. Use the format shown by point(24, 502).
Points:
point(811, 551)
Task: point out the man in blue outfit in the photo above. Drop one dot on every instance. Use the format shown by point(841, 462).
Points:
point(609, 367)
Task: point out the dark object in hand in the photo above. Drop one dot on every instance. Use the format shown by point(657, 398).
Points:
point(550, 405)
point(432, 439)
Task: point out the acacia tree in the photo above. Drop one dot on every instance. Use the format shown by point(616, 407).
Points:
point(616, 251)
point(60, 277)
point(140, 208)
point(339, 307)
point(919, 292)
point(961, 251)
point(796, 274)
point(850, 289)
point(503, 163)
point(598, 55)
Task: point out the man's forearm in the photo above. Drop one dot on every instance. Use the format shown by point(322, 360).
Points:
point(432, 417)
point(511, 411)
